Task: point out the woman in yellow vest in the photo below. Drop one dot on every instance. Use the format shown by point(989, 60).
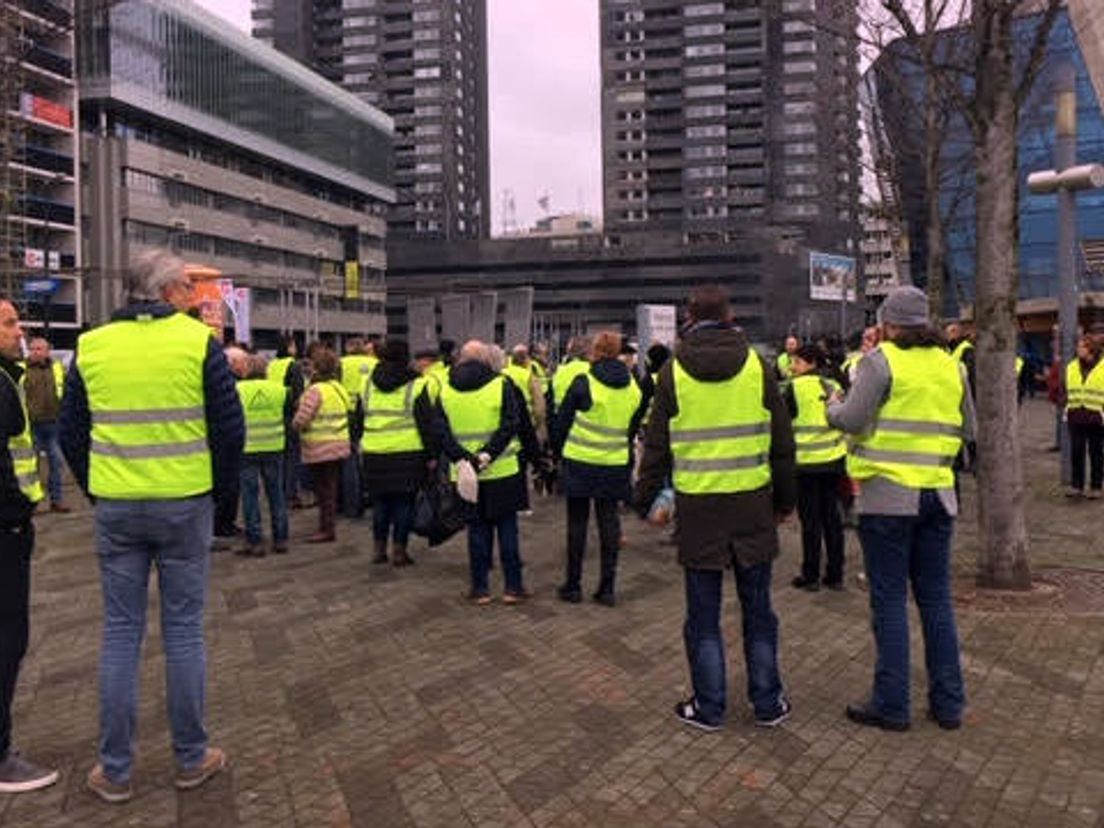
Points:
point(593, 432)
point(910, 409)
point(1085, 418)
point(820, 469)
point(267, 408)
point(477, 419)
point(397, 430)
point(322, 420)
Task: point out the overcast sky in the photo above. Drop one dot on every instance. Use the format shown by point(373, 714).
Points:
point(545, 103)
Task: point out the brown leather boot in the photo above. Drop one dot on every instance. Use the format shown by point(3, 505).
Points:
point(399, 556)
point(380, 547)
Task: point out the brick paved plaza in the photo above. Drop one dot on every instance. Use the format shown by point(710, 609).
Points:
point(350, 694)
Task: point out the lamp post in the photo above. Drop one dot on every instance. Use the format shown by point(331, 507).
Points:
point(1066, 180)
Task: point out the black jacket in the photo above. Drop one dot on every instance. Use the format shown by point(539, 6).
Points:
point(398, 472)
point(497, 498)
point(221, 404)
point(713, 527)
point(588, 479)
point(15, 508)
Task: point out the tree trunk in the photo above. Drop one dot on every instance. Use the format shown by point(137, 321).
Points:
point(1003, 542)
point(936, 239)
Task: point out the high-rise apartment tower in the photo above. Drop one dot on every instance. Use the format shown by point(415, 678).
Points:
point(424, 63)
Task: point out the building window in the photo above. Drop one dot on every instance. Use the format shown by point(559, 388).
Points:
point(705, 50)
point(426, 16)
point(705, 151)
point(798, 108)
point(802, 190)
point(427, 129)
point(694, 173)
point(709, 70)
point(704, 30)
point(427, 167)
point(427, 91)
point(702, 9)
point(800, 148)
point(798, 67)
point(427, 111)
point(425, 53)
point(421, 72)
point(799, 88)
point(796, 168)
point(352, 41)
point(796, 27)
point(706, 111)
point(427, 149)
point(799, 47)
point(795, 128)
point(712, 90)
point(706, 131)
point(792, 6)
point(427, 34)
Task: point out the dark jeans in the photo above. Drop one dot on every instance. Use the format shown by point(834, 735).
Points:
point(292, 463)
point(16, 546)
point(917, 550)
point(392, 514)
point(1084, 437)
point(481, 534)
point(46, 441)
point(609, 536)
point(705, 644)
point(226, 511)
point(325, 479)
point(821, 526)
point(269, 469)
point(352, 494)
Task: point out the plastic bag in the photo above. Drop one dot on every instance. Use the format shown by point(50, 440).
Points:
point(438, 511)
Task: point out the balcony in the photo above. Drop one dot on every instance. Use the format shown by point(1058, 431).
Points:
point(50, 12)
point(49, 61)
point(43, 209)
point(45, 159)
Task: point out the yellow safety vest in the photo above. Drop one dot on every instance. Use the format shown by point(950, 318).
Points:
point(355, 371)
point(918, 430)
point(474, 417)
point(600, 435)
point(389, 425)
point(278, 368)
point(959, 353)
point(263, 402)
point(817, 442)
point(721, 436)
point(521, 376)
point(1087, 392)
point(564, 376)
point(22, 450)
point(144, 379)
point(437, 375)
point(785, 365)
point(331, 423)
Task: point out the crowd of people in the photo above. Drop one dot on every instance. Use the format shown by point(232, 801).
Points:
point(713, 436)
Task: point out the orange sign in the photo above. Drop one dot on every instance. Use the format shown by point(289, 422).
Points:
point(207, 296)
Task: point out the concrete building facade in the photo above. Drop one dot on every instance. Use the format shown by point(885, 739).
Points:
point(244, 162)
point(424, 62)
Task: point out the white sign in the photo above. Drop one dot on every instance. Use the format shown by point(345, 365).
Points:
point(656, 323)
point(53, 260)
point(828, 274)
point(34, 259)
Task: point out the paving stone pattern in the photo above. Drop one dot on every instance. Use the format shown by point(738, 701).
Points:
point(349, 694)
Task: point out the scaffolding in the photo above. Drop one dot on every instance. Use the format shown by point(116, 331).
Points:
point(13, 138)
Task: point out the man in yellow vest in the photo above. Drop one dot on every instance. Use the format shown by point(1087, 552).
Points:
point(356, 366)
point(151, 425)
point(784, 363)
point(720, 432)
point(44, 381)
point(910, 408)
point(1084, 385)
point(267, 409)
point(20, 490)
point(575, 363)
point(284, 368)
point(820, 468)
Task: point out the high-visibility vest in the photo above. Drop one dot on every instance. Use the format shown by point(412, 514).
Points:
point(785, 365)
point(331, 422)
point(817, 442)
point(263, 402)
point(144, 379)
point(437, 376)
point(852, 362)
point(918, 430)
point(59, 376)
point(961, 349)
point(22, 450)
point(389, 425)
point(474, 417)
point(721, 436)
point(355, 371)
point(278, 368)
point(521, 376)
point(1085, 392)
point(600, 435)
point(564, 376)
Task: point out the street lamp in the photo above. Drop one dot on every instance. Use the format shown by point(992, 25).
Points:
point(1067, 179)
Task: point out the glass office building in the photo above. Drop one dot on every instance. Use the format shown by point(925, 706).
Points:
point(1038, 215)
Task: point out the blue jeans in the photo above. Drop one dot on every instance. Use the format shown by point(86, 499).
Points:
point(705, 644)
point(131, 535)
point(268, 468)
point(481, 534)
point(392, 514)
point(46, 440)
point(897, 551)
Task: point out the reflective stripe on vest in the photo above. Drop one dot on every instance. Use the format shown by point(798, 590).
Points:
point(331, 422)
point(817, 442)
point(474, 417)
point(263, 404)
point(1085, 392)
point(564, 376)
point(720, 438)
point(24, 459)
point(278, 368)
point(144, 379)
point(600, 435)
point(918, 430)
point(389, 425)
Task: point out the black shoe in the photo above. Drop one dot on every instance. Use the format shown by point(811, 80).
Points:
point(688, 713)
point(800, 582)
point(865, 714)
point(572, 596)
point(606, 599)
point(835, 586)
point(945, 724)
point(776, 718)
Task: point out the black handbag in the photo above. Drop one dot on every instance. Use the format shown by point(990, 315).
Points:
point(439, 513)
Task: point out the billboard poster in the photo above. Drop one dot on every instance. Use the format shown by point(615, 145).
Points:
point(828, 274)
point(656, 323)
